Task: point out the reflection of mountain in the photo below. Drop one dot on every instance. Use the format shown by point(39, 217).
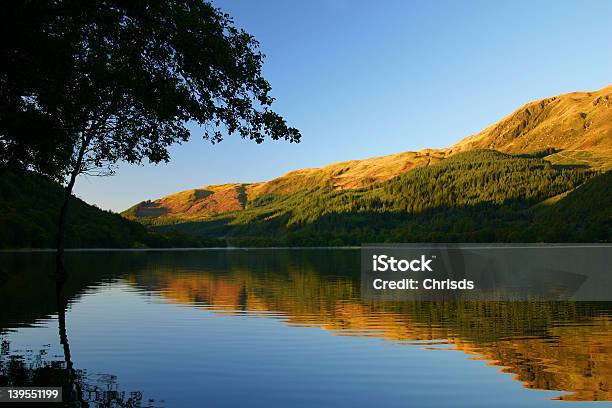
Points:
point(553, 346)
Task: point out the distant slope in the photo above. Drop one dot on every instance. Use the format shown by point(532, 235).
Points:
point(578, 125)
point(211, 201)
point(347, 175)
point(29, 208)
point(206, 201)
point(571, 129)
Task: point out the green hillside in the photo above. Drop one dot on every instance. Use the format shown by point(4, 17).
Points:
point(29, 208)
point(476, 196)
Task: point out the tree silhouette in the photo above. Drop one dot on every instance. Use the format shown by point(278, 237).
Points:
point(119, 81)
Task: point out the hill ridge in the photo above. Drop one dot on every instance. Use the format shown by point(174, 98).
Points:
point(571, 129)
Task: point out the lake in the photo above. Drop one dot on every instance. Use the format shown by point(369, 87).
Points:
point(277, 327)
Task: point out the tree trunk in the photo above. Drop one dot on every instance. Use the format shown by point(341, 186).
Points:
point(61, 226)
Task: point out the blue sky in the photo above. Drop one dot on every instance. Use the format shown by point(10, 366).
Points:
point(363, 79)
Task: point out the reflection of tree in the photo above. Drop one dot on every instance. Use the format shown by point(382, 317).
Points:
point(73, 391)
point(78, 388)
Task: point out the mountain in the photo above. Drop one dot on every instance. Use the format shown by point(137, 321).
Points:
point(571, 129)
point(524, 178)
point(29, 210)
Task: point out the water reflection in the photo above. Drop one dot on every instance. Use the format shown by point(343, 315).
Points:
point(560, 346)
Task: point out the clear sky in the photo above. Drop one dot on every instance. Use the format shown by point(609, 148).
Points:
point(368, 78)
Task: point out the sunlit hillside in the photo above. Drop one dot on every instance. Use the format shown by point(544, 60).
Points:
point(218, 199)
point(571, 131)
point(578, 126)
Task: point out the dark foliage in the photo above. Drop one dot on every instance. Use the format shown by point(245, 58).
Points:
point(122, 79)
point(29, 207)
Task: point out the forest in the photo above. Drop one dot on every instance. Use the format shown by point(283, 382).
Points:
point(477, 196)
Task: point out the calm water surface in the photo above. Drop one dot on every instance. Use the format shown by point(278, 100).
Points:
point(283, 327)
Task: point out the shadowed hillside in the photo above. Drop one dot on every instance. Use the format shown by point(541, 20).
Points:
point(29, 210)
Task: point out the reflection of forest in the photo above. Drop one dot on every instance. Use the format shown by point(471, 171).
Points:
point(551, 346)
